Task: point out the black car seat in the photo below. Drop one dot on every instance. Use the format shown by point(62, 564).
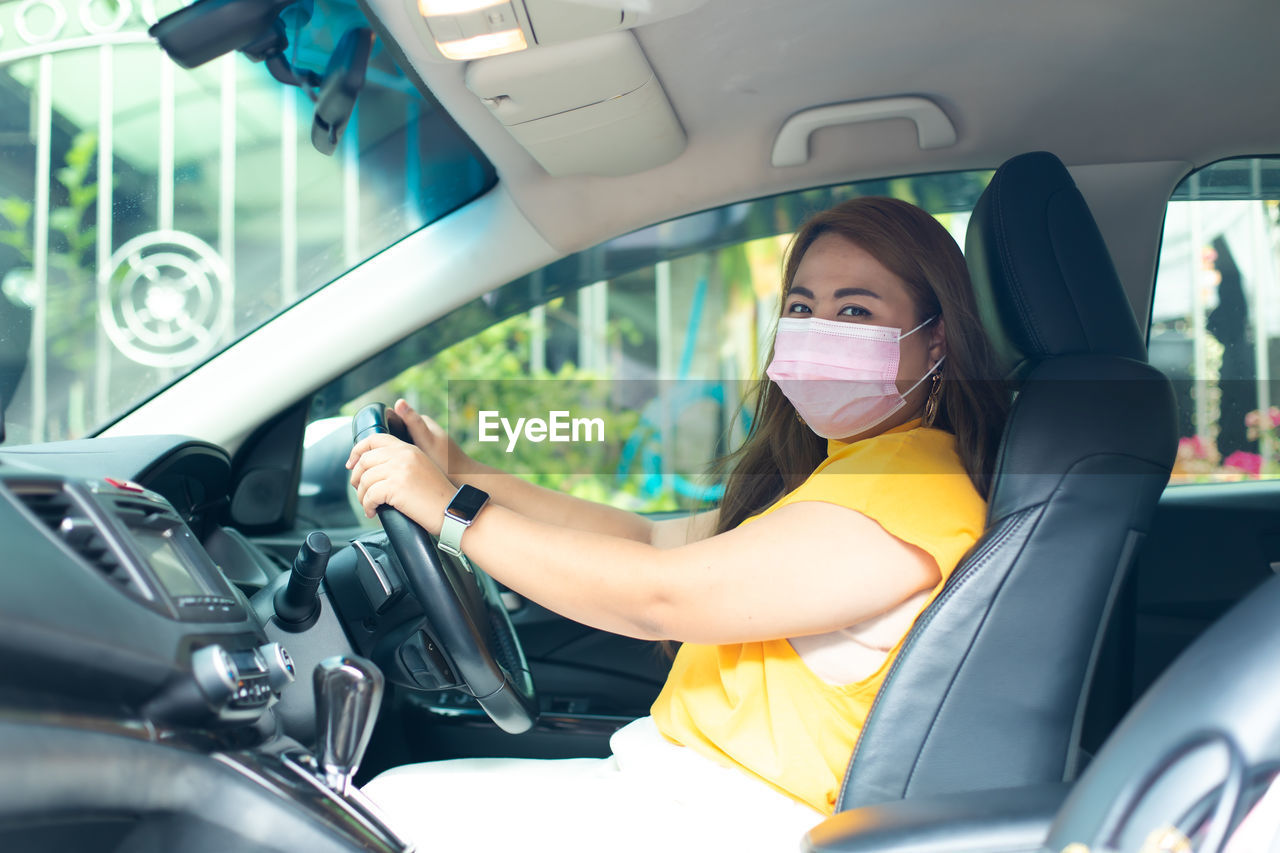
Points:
point(990, 687)
point(1198, 748)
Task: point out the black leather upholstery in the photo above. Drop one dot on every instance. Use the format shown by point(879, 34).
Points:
point(1224, 684)
point(1042, 273)
point(990, 687)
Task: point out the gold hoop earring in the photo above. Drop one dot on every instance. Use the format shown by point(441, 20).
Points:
point(931, 404)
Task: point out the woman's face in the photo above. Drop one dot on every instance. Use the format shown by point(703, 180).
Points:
point(839, 280)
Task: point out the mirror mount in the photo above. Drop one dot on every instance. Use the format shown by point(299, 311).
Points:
point(208, 29)
point(343, 79)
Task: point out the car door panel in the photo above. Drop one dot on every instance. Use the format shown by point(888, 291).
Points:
point(1209, 546)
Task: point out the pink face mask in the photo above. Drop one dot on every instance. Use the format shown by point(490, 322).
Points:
point(841, 377)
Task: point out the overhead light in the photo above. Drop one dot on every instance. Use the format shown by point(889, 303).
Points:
point(489, 44)
point(431, 8)
point(473, 29)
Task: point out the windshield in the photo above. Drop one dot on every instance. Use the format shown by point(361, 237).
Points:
point(150, 215)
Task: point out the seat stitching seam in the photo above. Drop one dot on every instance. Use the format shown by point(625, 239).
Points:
point(1022, 521)
point(927, 618)
point(1016, 291)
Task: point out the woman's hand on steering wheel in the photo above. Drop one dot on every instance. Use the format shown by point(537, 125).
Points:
point(386, 470)
point(432, 440)
point(462, 606)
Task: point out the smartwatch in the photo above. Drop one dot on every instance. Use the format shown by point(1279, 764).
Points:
point(458, 516)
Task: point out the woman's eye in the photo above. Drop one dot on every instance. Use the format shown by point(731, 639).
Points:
point(798, 308)
point(854, 311)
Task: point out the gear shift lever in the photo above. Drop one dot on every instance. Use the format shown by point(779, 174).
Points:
point(348, 692)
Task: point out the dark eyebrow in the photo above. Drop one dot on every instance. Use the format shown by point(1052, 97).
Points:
point(839, 294)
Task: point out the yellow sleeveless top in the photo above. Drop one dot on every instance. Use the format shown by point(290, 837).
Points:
point(758, 706)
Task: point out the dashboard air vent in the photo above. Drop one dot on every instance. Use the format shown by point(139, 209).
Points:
point(59, 512)
point(49, 506)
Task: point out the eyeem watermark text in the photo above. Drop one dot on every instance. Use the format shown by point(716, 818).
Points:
point(557, 427)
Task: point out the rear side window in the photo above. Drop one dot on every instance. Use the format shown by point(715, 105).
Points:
point(1215, 327)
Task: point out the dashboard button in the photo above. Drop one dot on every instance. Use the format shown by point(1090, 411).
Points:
point(124, 485)
point(280, 668)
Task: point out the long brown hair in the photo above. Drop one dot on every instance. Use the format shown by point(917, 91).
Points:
point(781, 452)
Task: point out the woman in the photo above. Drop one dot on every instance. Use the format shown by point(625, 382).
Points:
point(859, 489)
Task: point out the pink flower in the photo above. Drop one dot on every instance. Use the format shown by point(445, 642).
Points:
point(1249, 463)
point(1192, 447)
point(1254, 419)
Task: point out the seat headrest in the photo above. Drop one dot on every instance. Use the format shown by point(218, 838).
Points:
point(1041, 272)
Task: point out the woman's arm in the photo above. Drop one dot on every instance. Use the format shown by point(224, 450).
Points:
point(547, 505)
point(806, 568)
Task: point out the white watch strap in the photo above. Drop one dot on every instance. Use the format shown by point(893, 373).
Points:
point(451, 530)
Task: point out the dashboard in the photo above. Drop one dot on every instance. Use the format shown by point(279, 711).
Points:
point(145, 692)
point(111, 593)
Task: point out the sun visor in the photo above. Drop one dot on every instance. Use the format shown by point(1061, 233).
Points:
point(586, 107)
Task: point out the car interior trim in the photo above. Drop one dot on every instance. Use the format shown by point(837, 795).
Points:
point(933, 128)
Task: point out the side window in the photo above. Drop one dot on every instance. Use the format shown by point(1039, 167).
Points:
point(647, 346)
point(1215, 327)
point(641, 379)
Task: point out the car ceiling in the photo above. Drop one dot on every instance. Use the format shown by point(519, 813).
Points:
point(1094, 81)
point(1131, 94)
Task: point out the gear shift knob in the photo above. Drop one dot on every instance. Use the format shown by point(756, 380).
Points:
point(348, 692)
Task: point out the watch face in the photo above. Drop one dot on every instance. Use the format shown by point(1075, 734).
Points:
point(466, 503)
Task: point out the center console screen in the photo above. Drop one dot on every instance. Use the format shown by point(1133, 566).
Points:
point(170, 566)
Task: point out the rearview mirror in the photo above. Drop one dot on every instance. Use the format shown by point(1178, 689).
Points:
point(207, 29)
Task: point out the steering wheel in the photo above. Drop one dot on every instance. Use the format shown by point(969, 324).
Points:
point(464, 613)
